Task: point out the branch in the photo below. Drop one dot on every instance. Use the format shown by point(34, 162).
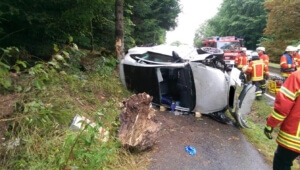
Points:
point(11, 33)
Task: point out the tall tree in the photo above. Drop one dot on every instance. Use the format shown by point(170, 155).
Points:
point(119, 30)
point(152, 18)
point(283, 26)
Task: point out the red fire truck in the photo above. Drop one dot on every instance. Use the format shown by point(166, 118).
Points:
point(230, 45)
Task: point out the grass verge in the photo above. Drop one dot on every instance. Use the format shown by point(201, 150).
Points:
point(38, 134)
point(257, 120)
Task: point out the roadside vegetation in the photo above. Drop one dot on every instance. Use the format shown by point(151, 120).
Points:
point(257, 121)
point(46, 99)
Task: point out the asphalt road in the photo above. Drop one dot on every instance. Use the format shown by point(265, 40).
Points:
point(218, 146)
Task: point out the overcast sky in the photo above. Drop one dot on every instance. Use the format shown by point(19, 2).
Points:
point(194, 13)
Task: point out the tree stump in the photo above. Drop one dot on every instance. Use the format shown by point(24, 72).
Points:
point(139, 129)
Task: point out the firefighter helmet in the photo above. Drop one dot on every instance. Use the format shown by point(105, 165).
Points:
point(290, 48)
point(244, 49)
point(261, 49)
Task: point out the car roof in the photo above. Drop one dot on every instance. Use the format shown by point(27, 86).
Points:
point(185, 52)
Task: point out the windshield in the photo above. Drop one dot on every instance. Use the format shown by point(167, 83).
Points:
point(228, 45)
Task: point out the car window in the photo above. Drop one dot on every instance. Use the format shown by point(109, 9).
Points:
point(228, 45)
point(154, 57)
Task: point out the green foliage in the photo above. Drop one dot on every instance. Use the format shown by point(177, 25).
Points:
point(52, 96)
point(10, 62)
point(277, 34)
point(87, 149)
point(257, 121)
point(205, 30)
point(37, 25)
point(151, 19)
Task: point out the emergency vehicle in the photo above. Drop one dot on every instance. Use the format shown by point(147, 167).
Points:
point(230, 45)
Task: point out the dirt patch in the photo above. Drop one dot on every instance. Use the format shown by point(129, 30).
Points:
point(7, 108)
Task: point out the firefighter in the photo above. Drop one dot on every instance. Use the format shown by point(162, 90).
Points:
point(240, 61)
point(297, 58)
point(263, 56)
point(286, 113)
point(287, 64)
point(257, 70)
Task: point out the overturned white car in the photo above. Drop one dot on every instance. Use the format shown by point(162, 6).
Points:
point(196, 80)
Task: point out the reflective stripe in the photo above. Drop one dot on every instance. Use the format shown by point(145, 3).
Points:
point(288, 93)
point(257, 78)
point(297, 93)
point(240, 66)
point(284, 62)
point(298, 130)
point(283, 74)
point(288, 144)
point(289, 137)
point(278, 116)
point(258, 93)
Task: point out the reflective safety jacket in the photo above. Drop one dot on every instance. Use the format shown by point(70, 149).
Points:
point(297, 60)
point(287, 65)
point(257, 69)
point(241, 60)
point(287, 113)
point(264, 57)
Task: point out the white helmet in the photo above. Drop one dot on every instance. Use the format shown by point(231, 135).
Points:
point(290, 48)
point(244, 49)
point(261, 49)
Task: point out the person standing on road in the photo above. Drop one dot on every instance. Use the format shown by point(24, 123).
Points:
point(263, 56)
point(257, 70)
point(240, 61)
point(287, 64)
point(286, 113)
point(297, 57)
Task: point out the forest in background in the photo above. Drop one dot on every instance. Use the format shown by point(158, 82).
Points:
point(34, 26)
point(273, 24)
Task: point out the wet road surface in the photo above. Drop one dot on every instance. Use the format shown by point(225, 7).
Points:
point(218, 146)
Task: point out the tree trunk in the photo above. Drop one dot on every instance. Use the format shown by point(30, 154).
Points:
point(92, 36)
point(119, 31)
point(139, 129)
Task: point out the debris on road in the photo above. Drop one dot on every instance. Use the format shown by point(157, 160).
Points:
point(191, 150)
point(79, 122)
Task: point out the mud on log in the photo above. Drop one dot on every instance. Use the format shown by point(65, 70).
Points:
point(139, 129)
